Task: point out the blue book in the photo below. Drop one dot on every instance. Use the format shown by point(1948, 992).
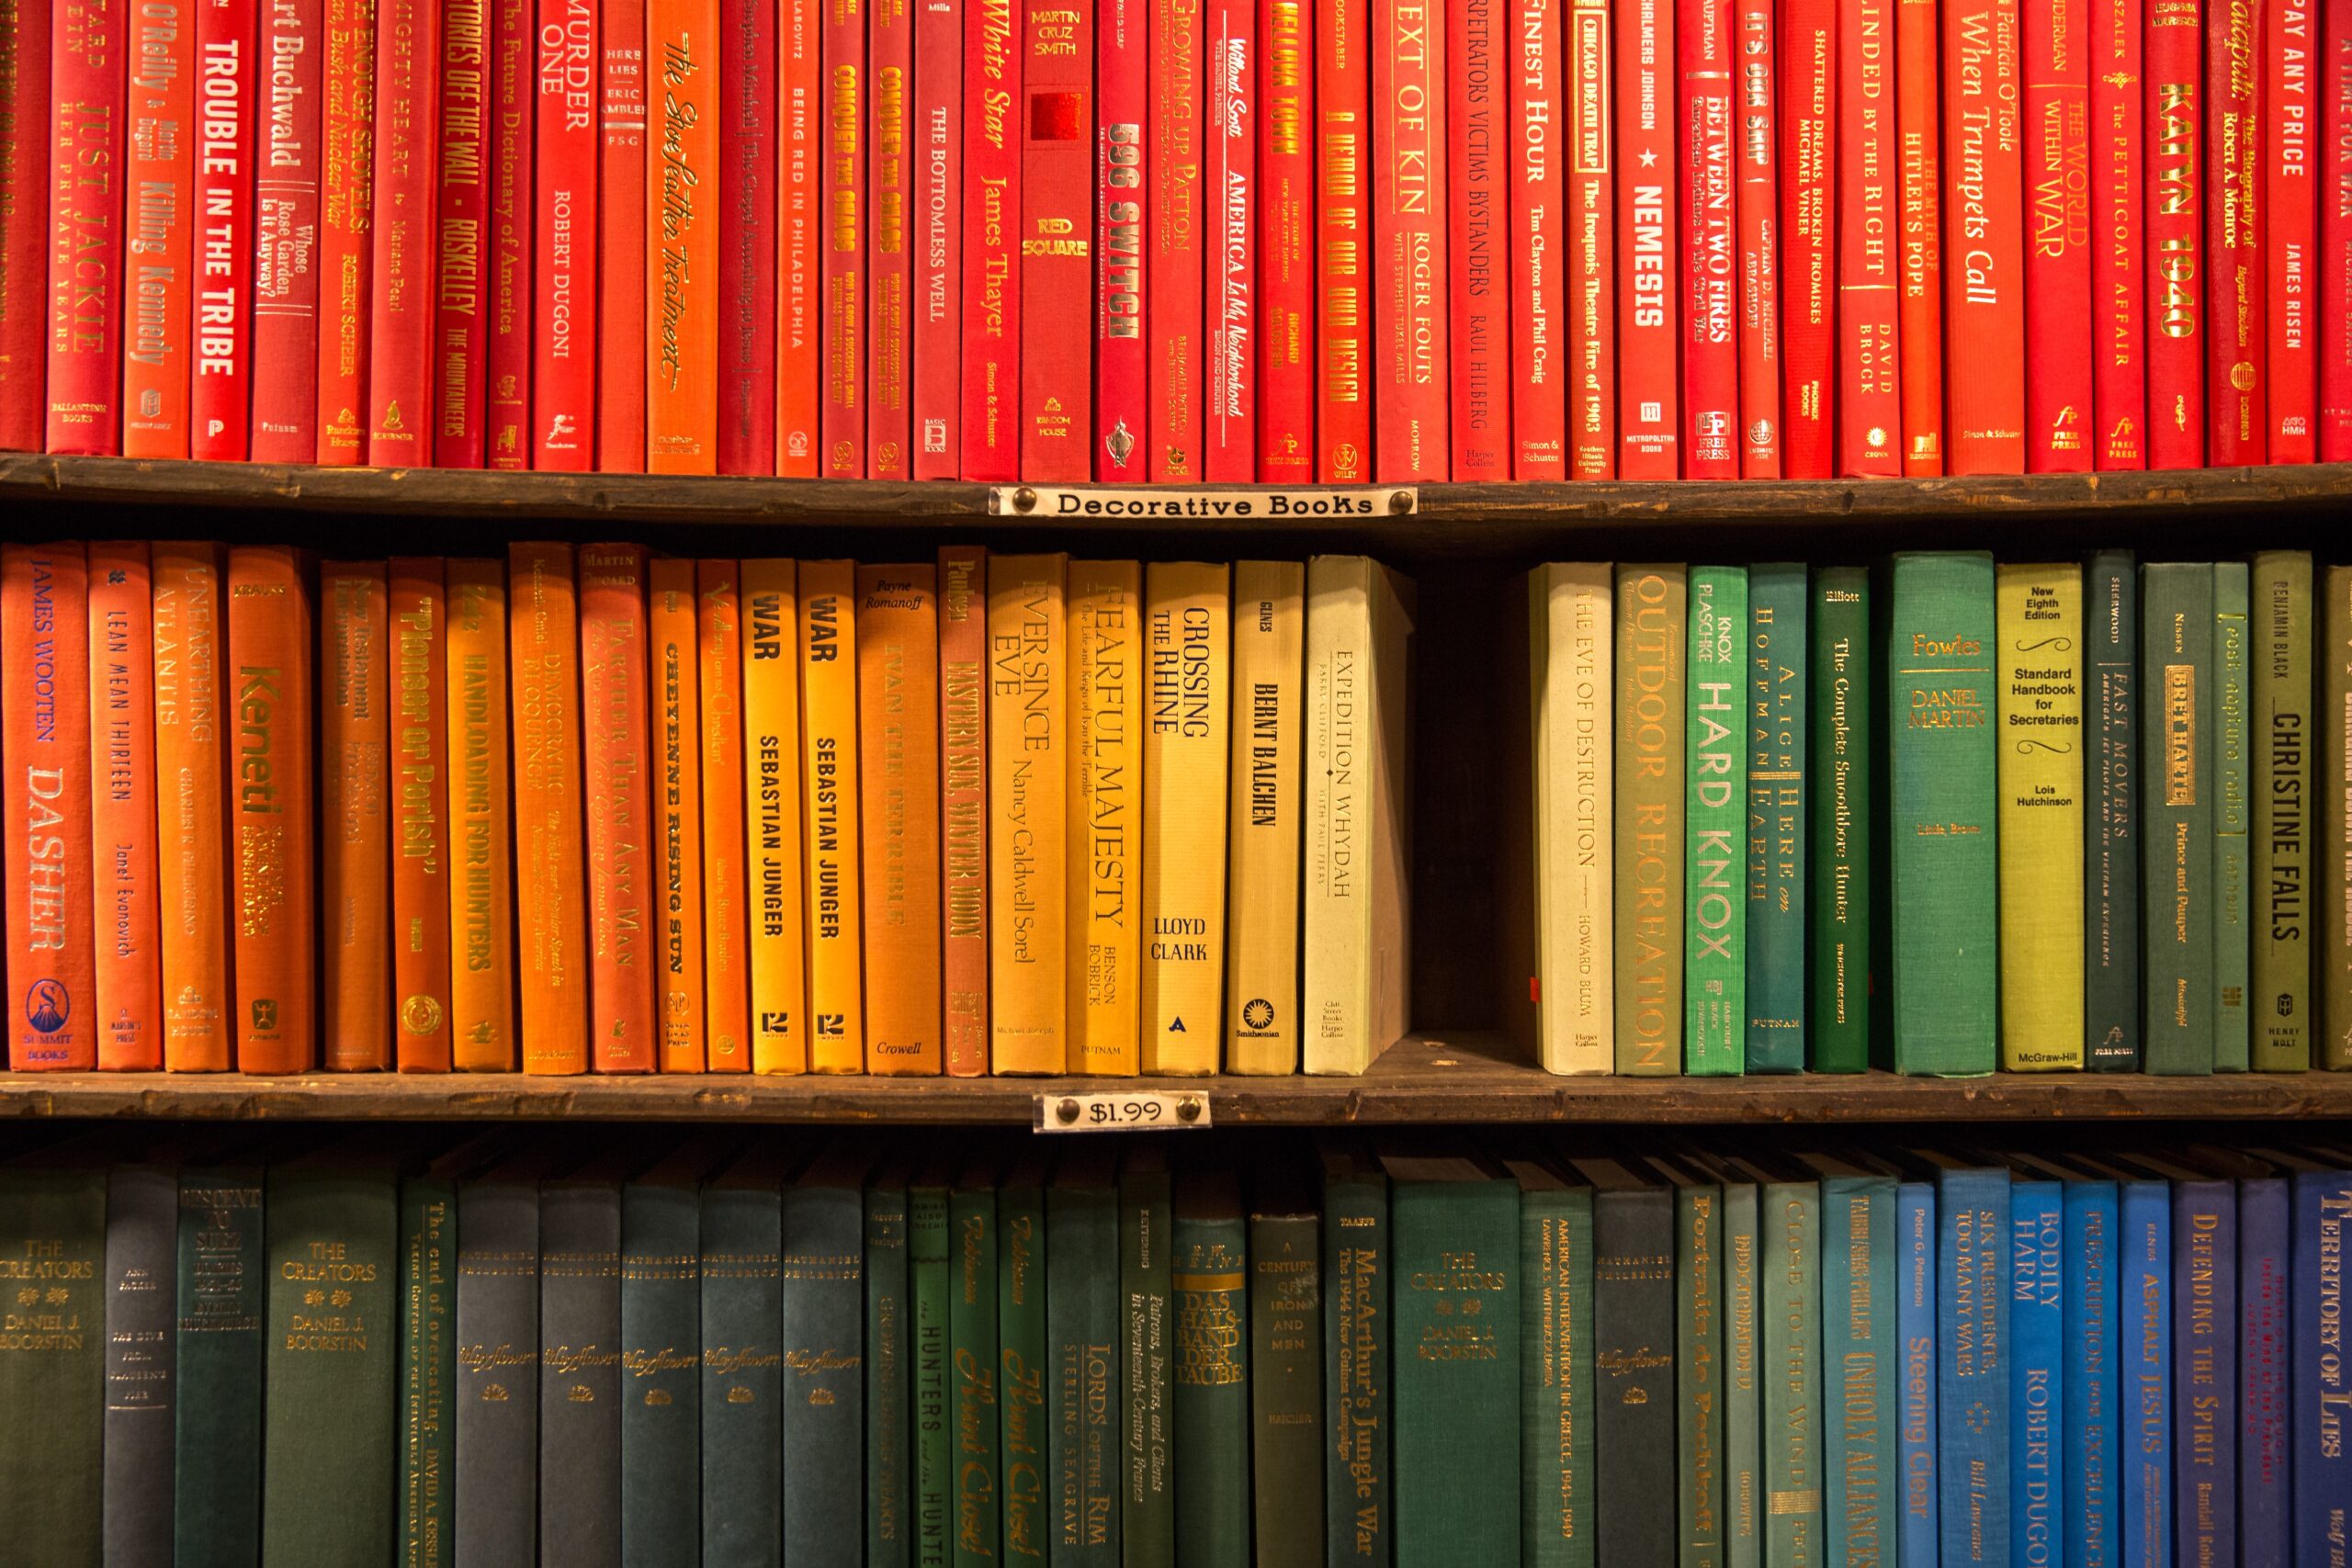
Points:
point(2144, 1276)
point(2265, 1524)
point(1775, 736)
point(1915, 1330)
point(1858, 1336)
point(2205, 1369)
point(2037, 1378)
point(2323, 1467)
point(1972, 1353)
point(2086, 1469)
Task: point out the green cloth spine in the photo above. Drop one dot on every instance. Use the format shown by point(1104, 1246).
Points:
point(2233, 816)
point(2112, 791)
point(1357, 1333)
point(1857, 1350)
point(889, 1534)
point(1777, 862)
point(52, 1368)
point(2332, 864)
point(1653, 602)
point(1789, 1274)
point(1699, 1369)
point(2282, 749)
point(1715, 964)
point(742, 1360)
point(1285, 1391)
point(927, 1283)
point(1209, 1292)
point(216, 1461)
point(1841, 800)
point(1022, 1419)
point(1457, 1303)
point(1148, 1506)
point(662, 1372)
point(1942, 873)
point(2177, 751)
point(1743, 1408)
point(428, 1371)
point(969, 1450)
point(1555, 1378)
point(1082, 1326)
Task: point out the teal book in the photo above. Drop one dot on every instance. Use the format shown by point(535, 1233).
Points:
point(2233, 820)
point(1285, 1379)
point(1843, 745)
point(1210, 1295)
point(1357, 1334)
point(1147, 1263)
point(1023, 1375)
point(1715, 970)
point(1943, 856)
point(1456, 1299)
point(1777, 669)
point(743, 1363)
point(1700, 1399)
point(1788, 1276)
point(968, 1444)
point(929, 1344)
point(1555, 1371)
point(1858, 1350)
point(53, 1368)
point(215, 1441)
point(428, 1371)
point(889, 1396)
point(1082, 1338)
point(1743, 1410)
point(2177, 761)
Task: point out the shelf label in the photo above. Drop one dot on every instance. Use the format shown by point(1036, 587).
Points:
point(1164, 503)
point(1114, 1112)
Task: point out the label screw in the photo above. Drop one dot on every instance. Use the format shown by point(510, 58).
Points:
point(1025, 501)
point(1401, 502)
point(1189, 1108)
point(1065, 1112)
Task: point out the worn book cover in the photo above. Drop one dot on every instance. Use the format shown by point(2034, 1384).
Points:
point(673, 615)
point(963, 806)
point(87, 86)
point(462, 234)
point(614, 723)
point(1028, 794)
point(271, 644)
point(356, 811)
point(52, 916)
point(898, 653)
point(1106, 815)
point(191, 774)
point(123, 829)
point(727, 911)
point(481, 820)
point(416, 777)
point(551, 877)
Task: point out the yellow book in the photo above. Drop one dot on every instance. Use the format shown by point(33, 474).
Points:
point(1261, 920)
point(1188, 651)
point(1028, 802)
point(1569, 607)
point(829, 802)
point(481, 894)
point(2038, 611)
point(772, 806)
point(1105, 812)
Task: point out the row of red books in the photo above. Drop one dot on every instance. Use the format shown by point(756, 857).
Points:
point(1335, 241)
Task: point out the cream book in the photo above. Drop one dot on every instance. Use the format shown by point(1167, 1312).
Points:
point(1261, 918)
point(1105, 814)
point(1188, 671)
point(1573, 753)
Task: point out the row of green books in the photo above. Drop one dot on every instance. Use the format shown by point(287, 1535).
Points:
point(1944, 816)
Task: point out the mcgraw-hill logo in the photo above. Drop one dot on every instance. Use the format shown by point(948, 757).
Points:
point(47, 1004)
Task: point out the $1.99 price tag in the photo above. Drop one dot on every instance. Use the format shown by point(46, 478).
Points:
point(1115, 1112)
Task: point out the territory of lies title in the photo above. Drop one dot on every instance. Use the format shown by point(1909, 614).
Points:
point(1047, 501)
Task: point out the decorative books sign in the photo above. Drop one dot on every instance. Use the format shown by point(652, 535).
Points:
point(1159, 502)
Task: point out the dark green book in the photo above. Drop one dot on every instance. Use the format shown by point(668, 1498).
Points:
point(1555, 1525)
point(1743, 1369)
point(1457, 1304)
point(580, 1386)
point(428, 1245)
point(1715, 970)
point(824, 1333)
point(1210, 1294)
point(928, 1348)
point(1023, 1364)
point(743, 1363)
point(660, 1363)
point(1845, 758)
point(2281, 749)
point(2233, 816)
point(497, 1425)
point(52, 1371)
point(2111, 797)
point(1082, 1329)
point(331, 1456)
point(1148, 1503)
point(1698, 1396)
point(1356, 1338)
point(2177, 761)
point(142, 1243)
point(890, 1389)
point(1794, 1456)
point(972, 1334)
point(1632, 1359)
point(1284, 1380)
point(216, 1448)
point(1857, 1349)
point(1943, 856)
point(1777, 824)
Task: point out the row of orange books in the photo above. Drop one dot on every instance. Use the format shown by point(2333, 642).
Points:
point(588, 810)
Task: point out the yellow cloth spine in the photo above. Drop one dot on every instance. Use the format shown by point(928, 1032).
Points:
point(2039, 619)
point(1188, 647)
point(1105, 813)
point(1028, 805)
point(1262, 911)
point(771, 803)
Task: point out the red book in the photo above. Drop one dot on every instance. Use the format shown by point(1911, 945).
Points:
point(161, 165)
point(400, 362)
point(1286, 243)
point(891, 275)
point(272, 644)
point(45, 756)
point(613, 723)
point(507, 300)
point(2234, 278)
point(1592, 246)
point(1408, 271)
point(286, 228)
point(1478, 214)
point(1869, 359)
point(1920, 313)
point(990, 355)
point(964, 806)
point(1649, 343)
point(800, 283)
point(1174, 373)
point(563, 344)
point(1230, 192)
point(218, 395)
point(462, 222)
point(1541, 360)
point(87, 151)
point(1808, 111)
point(2291, 239)
point(747, 237)
point(1757, 162)
point(24, 221)
point(2058, 325)
point(1122, 87)
point(842, 425)
point(1056, 221)
point(1343, 310)
point(621, 309)
point(125, 864)
point(939, 238)
point(1986, 233)
point(346, 172)
point(2176, 236)
point(2335, 270)
point(2119, 286)
point(1710, 346)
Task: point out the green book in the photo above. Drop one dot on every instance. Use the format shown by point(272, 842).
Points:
point(1286, 1379)
point(428, 1371)
point(2332, 862)
point(1776, 861)
point(1652, 604)
point(216, 1440)
point(1358, 1522)
point(1743, 1407)
point(1788, 1277)
point(1555, 1372)
point(1699, 1397)
point(1714, 968)
point(1857, 1345)
point(970, 1450)
point(2281, 749)
point(1084, 1330)
point(890, 1399)
point(2233, 815)
point(1456, 1278)
point(928, 1243)
point(1209, 1285)
point(2177, 759)
point(52, 1368)
point(1147, 1503)
point(330, 1455)
point(1943, 863)
point(1022, 1419)
point(1838, 1021)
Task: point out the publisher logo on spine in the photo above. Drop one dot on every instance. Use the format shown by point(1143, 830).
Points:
point(47, 1004)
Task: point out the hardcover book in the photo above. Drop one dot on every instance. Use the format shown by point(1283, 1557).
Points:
point(1568, 628)
point(614, 693)
point(2111, 813)
point(1557, 1402)
point(2235, 331)
point(1344, 326)
point(428, 1362)
point(1806, 52)
point(749, 167)
point(1410, 267)
point(481, 820)
point(963, 806)
point(742, 1355)
point(2280, 718)
point(580, 1383)
point(1024, 1367)
point(891, 161)
point(563, 248)
point(1173, 273)
point(495, 1423)
point(965, 1338)
point(890, 1368)
point(2091, 1460)
point(416, 775)
point(1124, 214)
point(1793, 1374)
point(1870, 185)
point(1860, 1352)
point(676, 756)
point(660, 1324)
point(1106, 810)
point(622, 109)
point(52, 922)
point(776, 950)
point(2177, 759)
point(158, 303)
point(123, 831)
point(1589, 222)
point(829, 823)
point(1775, 744)
point(1057, 191)
point(1649, 203)
point(2263, 1338)
point(1478, 200)
point(2288, 202)
point(141, 1382)
point(551, 891)
point(1916, 1305)
point(1709, 254)
point(2173, 179)
point(270, 648)
point(682, 239)
point(937, 206)
point(1974, 1355)
point(992, 224)
point(461, 235)
point(2145, 1370)
point(2060, 321)
point(401, 386)
point(1230, 198)
point(222, 1277)
point(1147, 1348)
point(2206, 1408)
point(823, 1333)
point(355, 880)
point(801, 126)
point(506, 368)
point(2037, 1330)
point(1632, 1353)
point(87, 86)
point(1358, 1340)
point(1546, 246)
point(1187, 649)
point(52, 1229)
point(1919, 310)
point(2038, 613)
point(2119, 264)
point(1846, 755)
point(1266, 794)
point(1652, 605)
point(1983, 197)
point(1715, 811)
point(2323, 1470)
point(2233, 811)
point(221, 387)
point(1285, 1372)
point(726, 956)
point(1080, 1372)
point(1028, 724)
point(1757, 168)
point(898, 650)
point(191, 807)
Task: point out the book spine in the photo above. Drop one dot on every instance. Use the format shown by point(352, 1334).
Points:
point(1788, 1312)
point(1919, 308)
point(891, 183)
point(1173, 275)
point(2264, 1339)
point(2333, 857)
point(1358, 1522)
point(2175, 233)
point(778, 945)
point(270, 645)
point(1775, 1018)
point(355, 724)
point(464, 241)
point(800, 298)
point(1409, 270)
point(672, 616)
point(222, 1275)
point(1653, 604)
point(2177, 759)
point(1845, 751)
point(1714, 1007)
point(660, 1312)
point(1124, 217)
point(726, 984)
point(2037, 612)
point(2234, 279)
point(428, 1372)
point(417, 778)
point(580, 1380)
point(1286, 240)
point(1743, 1533)
point(2118, 283)
point(1081, 1374)
point(939, 238)
point(2037, 1329)
point(190, 808)
point(481, 887)
point(401, 397)
point(1023, 1372)
point(1633, 1300)
point(2233, 881)
point(1107, 813)
point(1057, 195)
point(1869, 181)
point(829, 798)
point(508, 297)
point(89, 87)
point(1917, 1532)
point(1701, 1370)
point(964, 859)
point(2205, 1369)
point(891, 1305)
point(141, 1384)
point(127, 989)
point(1808, 113)
point(963, 1335)
point(1343, 310)
point(1555, 1403)
point(1649, 212)
point(1586, 216)
point(497, 1325)
point(2111, 813)
point(1457, 1475)
point(2290, 211)
point(159, 182)
point(746, 303)
point(992, 250)
point(2089, 1458)
point(1028, 702)
point(682, 244)
point(1231, 198)
point(220, 394)
point(1187, 650)
point(1710, 259)
point(2059, 382)
point(1859, 1351)
point(1147, 1353)
point(1261, 1022)
point(347, 175)
point(2335, 238)
point(24, 226)
point(1283, 1377)
point(564, 252)
point(898, 650)
point(2146, 1371)
point(1983, 197)
point(1973, 1355)
point(613, 724)
point(622, 107)
point(1479, 213)
point(1757, 167)
point(551, 891)
point(2279, 745)
point(2323, 1470)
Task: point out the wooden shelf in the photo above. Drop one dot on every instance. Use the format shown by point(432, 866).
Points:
point(1421, 1080)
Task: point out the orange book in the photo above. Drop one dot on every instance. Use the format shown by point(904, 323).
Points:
point(1028, 824)
point(269, 816)
point(45, 749)
point(481, 893)
point(419, 781)
point(897, 735)
point(122, 808)
point(551, 891)
point(193, 835)
point(829, 802)
point(964, 806)
point(682, 243)
point(772, 794)
point(725, 971)
point(613, 724)
point(677, 789)
point(354, 850)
